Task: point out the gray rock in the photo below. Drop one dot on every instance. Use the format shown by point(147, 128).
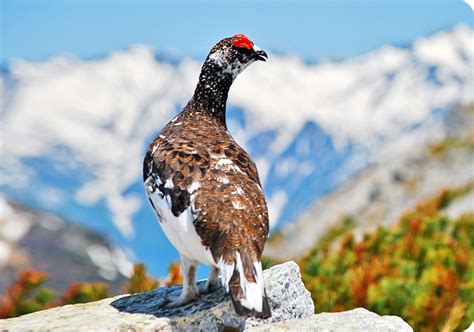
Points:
point(355, 320)
point(288, 299)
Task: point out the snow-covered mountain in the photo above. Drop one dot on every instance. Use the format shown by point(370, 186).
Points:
point(31, 239)
point(415, 169)
point(74, 131)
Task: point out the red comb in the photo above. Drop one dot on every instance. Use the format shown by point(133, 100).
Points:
point(242, 41)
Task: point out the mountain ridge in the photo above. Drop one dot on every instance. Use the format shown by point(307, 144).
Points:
point(394, 183)
point(77, 129)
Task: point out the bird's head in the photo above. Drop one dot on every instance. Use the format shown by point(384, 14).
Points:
point(232, 55)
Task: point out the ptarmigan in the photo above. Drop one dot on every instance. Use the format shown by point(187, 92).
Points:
point(205, 189)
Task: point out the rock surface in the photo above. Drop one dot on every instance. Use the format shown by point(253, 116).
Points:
point(355, 320)
point(292, 309)
point(288, 299)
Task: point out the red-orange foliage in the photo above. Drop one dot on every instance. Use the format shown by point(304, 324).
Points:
point(363, 277)
point(140, 281)
point(174, 275)
point(15, 302)
point(84, 292)
point(27, 294)
point(422, 269)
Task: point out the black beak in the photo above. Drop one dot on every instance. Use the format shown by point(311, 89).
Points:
point(260, 55)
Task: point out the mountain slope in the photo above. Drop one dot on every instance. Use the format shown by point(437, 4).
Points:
point(31, 239)
point(433, 160)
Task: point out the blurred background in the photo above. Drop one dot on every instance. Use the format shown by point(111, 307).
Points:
point(362, 115)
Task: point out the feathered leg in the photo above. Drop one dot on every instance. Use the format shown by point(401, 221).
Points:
point(212, 282)
point(190, 290)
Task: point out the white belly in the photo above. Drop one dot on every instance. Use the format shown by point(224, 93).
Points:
point(180, 230)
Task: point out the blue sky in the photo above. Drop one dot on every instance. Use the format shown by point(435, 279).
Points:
point(38, 29)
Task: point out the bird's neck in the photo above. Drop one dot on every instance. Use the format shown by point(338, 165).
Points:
point(212, 90)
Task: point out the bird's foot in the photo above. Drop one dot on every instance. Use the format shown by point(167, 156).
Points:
point(209, 287)
point(178, 301)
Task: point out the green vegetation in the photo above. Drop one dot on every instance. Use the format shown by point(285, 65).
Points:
point(83, 293)
point(421, 270)
point(139, 281)
point(450, 143)
point(27, 294)
point(461, 140)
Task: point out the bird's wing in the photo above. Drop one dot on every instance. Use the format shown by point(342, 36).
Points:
point(173, 172)
point(233, 223)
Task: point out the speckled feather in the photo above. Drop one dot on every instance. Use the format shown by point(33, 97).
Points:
point(230, 207)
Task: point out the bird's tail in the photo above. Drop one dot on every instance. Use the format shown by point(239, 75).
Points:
point(243, 279)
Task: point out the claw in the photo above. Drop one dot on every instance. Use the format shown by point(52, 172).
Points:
point(172, 302)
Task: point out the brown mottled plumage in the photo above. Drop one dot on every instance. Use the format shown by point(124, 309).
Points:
point(205, 189)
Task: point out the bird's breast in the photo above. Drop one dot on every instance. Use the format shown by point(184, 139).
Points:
point(180, 229)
